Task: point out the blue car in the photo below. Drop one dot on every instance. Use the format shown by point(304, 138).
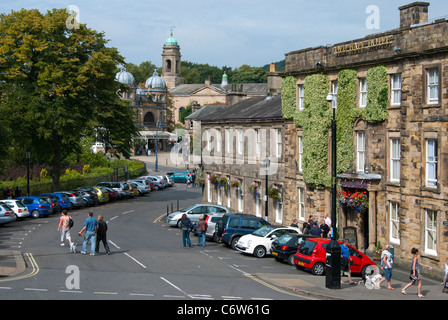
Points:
point(63, 200)
point(37, 206)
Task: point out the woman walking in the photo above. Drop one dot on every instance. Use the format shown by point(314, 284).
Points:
point(64, 228)
point(185, 225)
point(101, 235)
point(415, 274)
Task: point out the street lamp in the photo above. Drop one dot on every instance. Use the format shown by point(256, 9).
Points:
point(28, 156)
point(333, 264)
point(266, 169)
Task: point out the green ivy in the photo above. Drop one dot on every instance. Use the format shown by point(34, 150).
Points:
point(315, 119)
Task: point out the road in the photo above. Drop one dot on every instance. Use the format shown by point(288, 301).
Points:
point(148, 260)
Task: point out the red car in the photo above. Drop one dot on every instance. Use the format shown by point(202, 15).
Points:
point(312, 255)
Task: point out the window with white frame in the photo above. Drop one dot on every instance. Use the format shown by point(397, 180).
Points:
point(431, 232)
point(229, 194)
point(258, 143)
point(218, 141)
point(300, 154)
point(228, 140)
point(208, 137)
point(334, 90)
point(395, 82)
point(394, 220)
point(209, 189)
point(218, 195)
point(395, 151)
point(433, 89)
point(240, 141)
point(241, 197)
point(362, 92)
point(279, 143)
point(360, 151)
point(301, 203)
point(431, 162)
point(258, 202)
point(301, 94)
point(279, 208)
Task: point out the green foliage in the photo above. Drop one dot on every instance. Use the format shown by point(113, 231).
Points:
point(143, 71)
point(248, 74)
point(315, 119)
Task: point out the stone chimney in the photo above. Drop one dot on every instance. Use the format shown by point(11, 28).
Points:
point(414, 13)
point(274, 85)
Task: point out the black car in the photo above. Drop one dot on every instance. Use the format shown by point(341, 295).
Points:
point(286, 246)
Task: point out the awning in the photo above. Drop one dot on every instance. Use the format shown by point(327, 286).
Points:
point(145, 135)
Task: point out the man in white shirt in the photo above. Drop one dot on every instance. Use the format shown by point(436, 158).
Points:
point(386, 265)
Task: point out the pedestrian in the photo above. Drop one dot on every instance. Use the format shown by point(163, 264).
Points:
point(90, 227)
point(188, 180)
point(414, 274)
point(306, 228)
point(101, 235)
point(324, 228)
point(315, 230)
point(64, 228)
point(185, 225)
point(295, 223)
point(345, 261)
point(446, 276)
point(327, 220)
point(386, 265)
point(193, 179)
point(202, 228)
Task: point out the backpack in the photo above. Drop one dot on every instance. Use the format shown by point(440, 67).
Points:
point(71, 223)
point(202, 226)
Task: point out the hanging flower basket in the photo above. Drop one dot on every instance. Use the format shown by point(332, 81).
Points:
point(253, 188)
point(213, 178)
point(235, 183)
point(223, 182)
point(357, 200)
point(274, 191)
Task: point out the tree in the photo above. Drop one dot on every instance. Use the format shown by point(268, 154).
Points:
point(57, 84)
point(248, 74)
point(143, 71)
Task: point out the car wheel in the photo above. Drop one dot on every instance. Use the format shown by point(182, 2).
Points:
point(234, 242)
point(260, 251)
point(215, 237)
point(318, 269)
point(291, 260)
point(35, 214)
point(178, 223)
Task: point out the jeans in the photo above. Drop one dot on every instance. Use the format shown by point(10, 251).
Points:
point(201, 234)
point(89, 236)
point(102, 238)
point(186, 237)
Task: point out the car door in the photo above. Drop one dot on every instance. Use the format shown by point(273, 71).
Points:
point(356, 260)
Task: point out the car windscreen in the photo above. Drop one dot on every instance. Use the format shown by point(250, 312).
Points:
point(284, 239)
point(42, 201)
point(263, 231)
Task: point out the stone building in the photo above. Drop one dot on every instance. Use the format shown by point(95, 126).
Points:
point(235, 143)
point(390, 91)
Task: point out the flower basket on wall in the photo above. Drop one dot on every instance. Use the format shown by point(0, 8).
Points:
point(253, 188)
point(213, 178)
point(358, 200)
point(223, 182)
point(274, 191)
point(235, 183)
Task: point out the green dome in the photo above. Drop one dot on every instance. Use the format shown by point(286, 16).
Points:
point(171, 41)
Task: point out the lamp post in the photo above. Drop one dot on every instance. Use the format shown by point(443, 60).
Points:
point(266, 169)
point(28, 156)
point(333, 263)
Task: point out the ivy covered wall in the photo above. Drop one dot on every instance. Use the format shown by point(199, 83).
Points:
point(315, 119)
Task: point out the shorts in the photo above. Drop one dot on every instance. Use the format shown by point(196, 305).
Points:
point(387, 273)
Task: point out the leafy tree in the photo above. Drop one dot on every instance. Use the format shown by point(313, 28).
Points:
point(143, 71)
point(248, 74)
point(57, 84)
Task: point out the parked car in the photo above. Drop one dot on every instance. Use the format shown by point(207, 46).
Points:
point(233, 226)
point(259, 242)
point(18, 207)
point(62, 199)
point(194, 212)
point(142, 186)
point(285, 247)
point(158, 182)
point(103, 195)
point(133, 189)
point(113, 195)
point(170, 181)
point(179, 176)
point(37, 206)
point(53, 201)
point(121, 187)
point(76, 200)
point(211, 220)
point(89, 195)
point(312, 255)
point(7, 215)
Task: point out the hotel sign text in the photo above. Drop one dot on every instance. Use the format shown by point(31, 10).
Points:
point(365, 45)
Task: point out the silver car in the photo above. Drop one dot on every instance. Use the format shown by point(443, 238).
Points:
point(158, 182)
point(18, 207)
point(143, 186)
point(76, 199)
point(7, 215)
point(194, 212)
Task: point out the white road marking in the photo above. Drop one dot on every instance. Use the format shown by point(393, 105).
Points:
point(141, 264)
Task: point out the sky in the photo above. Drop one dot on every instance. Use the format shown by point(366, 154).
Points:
point(231, 32)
